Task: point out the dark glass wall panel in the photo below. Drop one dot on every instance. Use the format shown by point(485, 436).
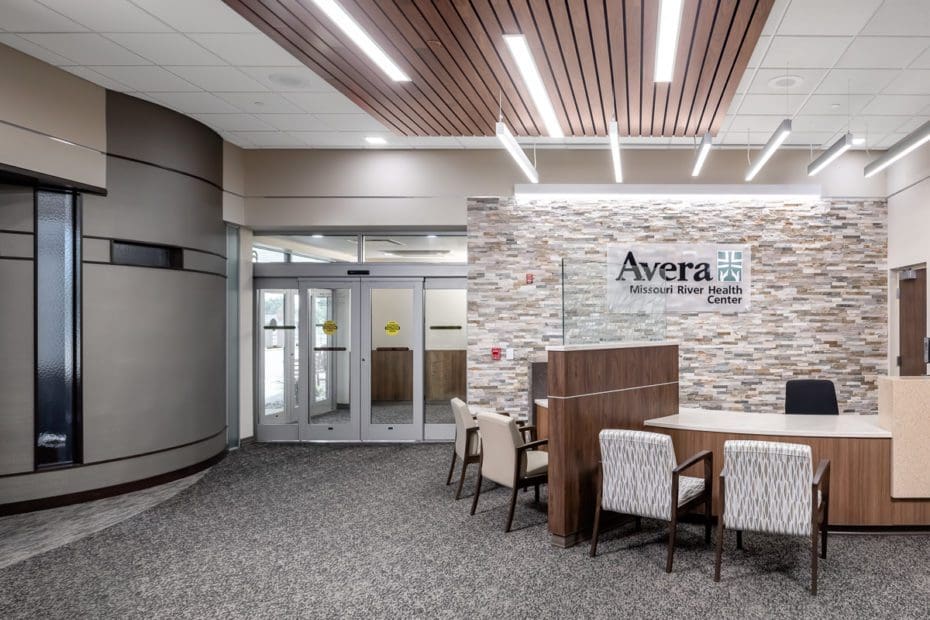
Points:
point(146, 255)
point(57, 339)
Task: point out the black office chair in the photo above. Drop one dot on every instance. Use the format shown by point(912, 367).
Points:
point(813, 396)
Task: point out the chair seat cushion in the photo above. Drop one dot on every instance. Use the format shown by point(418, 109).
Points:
point(689, 488)
point(537, 463)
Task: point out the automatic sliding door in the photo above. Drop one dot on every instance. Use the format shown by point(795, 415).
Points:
point(331, 367)
point(279, 402)
point(446, 344)
point(392, 360)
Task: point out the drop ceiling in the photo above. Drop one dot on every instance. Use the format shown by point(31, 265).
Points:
point(864, 64)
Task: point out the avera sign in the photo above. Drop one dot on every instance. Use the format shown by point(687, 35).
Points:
point(678, 277)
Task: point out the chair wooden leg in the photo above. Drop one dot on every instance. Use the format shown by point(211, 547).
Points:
point(637, 523)
point(719, 553)
point(513, 505)
point(823, 533)
point(672, 532)
point(814, 559)
point(474, 502)
point(451, 468)
point(536, 493)
point(597, 528)
point(739, 539)
point(707, 518)
point(458, 492)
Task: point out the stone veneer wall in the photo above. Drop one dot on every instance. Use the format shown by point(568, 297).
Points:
point(819, 295)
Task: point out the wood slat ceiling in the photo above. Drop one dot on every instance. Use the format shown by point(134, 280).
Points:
point(595, 56)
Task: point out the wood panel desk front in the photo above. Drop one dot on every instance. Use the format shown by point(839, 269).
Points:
point(858, 448)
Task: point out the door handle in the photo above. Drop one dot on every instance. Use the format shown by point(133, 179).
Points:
point(926, 350)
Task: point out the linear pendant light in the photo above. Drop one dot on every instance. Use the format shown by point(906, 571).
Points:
point(506, 138)
point(530, 72)
point(614, 135)
point(354, 31)
point(667, 41)
point(902, 147)
point(780, 135)
point(706, 143)
point(830, 155)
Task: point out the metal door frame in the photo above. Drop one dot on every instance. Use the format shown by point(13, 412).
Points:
point(308, 431)
point(284, 431)
point(392, 432)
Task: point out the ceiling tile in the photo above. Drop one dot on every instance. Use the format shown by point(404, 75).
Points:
point(771, 104)
point(759, 52)
point(295, 122)
point(151, 79)
point(195, 103)
point(882, 52)
point(910, 82)
point(97, 78)
point(289, 79)
point(86, 48)
point(30, 16)
point(343, 139)
point(433, 142)
point(828, 17)
point(897, 104)
point(28, 47)
point(247, 50)
point(778, 10)
point(263, 102)
point(350, 122)
point(197, 15)
point(268, 139)
point(232, 122)
point(745, 82)
point(856, 81)
point(900, 17)
point(108, 15)
point(910, 125)
point(889, 140)
point(769, 81)
point(922, 61)
point(166, 48)
point(236, 138)
point(874, 126)
point(806, 138)
point(324, 103)
point(835, 104)
point(217, 79)
point(741, 123)
point(805, 52)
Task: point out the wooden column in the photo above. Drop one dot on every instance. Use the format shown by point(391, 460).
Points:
point(592, 388)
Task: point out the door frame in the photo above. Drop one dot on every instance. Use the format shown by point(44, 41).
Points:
point(894, 314)
point(309, 432)
point(284, 431)
point(392, 432)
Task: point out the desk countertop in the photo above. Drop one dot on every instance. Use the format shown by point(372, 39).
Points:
point(772, 424)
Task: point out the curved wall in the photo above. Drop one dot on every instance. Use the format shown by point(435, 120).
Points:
point(153, 339)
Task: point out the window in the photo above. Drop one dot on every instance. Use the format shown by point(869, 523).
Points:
point(445, 248)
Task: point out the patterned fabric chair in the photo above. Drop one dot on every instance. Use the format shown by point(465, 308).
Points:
point(507, 460)
point(767, 486)
point(467, 443)
point(639, 476)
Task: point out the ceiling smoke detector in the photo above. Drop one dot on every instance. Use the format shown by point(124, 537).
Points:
point(786, 81)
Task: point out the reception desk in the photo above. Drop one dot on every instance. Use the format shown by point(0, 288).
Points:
point(859, 449)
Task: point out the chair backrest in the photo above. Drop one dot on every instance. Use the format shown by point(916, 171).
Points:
point(815, 396)
point(463, 422)
point(637, 473)
point(499, 442)
point(767, 487)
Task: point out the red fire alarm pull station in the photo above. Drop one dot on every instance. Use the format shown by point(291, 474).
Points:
point(495, 353)
point(529, 278)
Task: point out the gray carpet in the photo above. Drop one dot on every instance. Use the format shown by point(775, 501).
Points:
point(372, 531)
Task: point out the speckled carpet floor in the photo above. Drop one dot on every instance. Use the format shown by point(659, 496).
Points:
point(311, 531)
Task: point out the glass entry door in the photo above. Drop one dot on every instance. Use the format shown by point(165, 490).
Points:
point(329, 372)
point(278, 363)
point(445, 307)
point(392, 360)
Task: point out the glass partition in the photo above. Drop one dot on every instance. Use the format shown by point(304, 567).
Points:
point(594, 310)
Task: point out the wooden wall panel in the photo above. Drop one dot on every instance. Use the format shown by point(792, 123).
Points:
point(391, 375)
point(446, 374)
point(596, 58)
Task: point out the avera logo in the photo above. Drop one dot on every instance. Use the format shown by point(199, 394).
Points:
point(729, 265)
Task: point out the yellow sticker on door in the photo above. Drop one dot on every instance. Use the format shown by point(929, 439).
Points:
point(330, 327)
point(392, 328)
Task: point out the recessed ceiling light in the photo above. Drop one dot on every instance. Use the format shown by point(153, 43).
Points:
point(362, 39)
point(667, 41)
point(834, 106)
point(431, 236)
point(858, 141)
point(786, 81)
point(530, 72)
point(317, 236)
point(375, 140)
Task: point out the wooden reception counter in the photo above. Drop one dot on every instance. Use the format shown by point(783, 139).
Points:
point(859, 449)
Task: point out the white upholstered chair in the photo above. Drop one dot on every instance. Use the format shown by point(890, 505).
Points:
point(639, 476)
point(467, 443)
point(769, 487)
point(509, 461)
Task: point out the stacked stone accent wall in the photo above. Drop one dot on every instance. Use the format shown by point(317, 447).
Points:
point(819, 295)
